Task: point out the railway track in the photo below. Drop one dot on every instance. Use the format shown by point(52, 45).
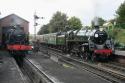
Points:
point(114, 67)
point(33, 74)
point(118, 64)
point(97, 69)
point(37, 75)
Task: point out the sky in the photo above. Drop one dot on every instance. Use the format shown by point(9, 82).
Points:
point(86, 10)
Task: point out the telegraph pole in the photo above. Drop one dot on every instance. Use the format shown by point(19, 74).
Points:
point(35, 23)
point(34, 26)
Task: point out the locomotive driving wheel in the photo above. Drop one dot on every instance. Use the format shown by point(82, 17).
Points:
point(85, 52)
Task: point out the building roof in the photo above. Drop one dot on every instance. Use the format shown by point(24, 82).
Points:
point(13, 15)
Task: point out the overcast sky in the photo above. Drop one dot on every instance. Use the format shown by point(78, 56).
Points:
point(83, 9)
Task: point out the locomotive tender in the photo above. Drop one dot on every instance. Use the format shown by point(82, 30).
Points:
point(88, 43)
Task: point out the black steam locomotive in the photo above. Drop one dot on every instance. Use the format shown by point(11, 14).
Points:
point(88, 43)
point(97, 44)
point(16, 41)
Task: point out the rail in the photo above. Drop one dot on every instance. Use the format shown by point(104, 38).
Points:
point(43, 77)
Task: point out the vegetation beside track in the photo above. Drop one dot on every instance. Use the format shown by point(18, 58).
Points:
point(118, 34)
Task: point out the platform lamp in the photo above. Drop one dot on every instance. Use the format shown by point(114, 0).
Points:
point(36, 24)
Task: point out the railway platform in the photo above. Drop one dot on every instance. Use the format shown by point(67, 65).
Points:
point(120, 53)
point(120, 56)
point(9, 71)
point(63, 73)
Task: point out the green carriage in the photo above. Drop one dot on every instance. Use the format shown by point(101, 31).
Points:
point(52, 38)
point(61, 39)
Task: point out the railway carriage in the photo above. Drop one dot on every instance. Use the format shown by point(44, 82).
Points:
point(52, 38)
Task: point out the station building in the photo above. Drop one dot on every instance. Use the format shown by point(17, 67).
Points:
point(13, 20)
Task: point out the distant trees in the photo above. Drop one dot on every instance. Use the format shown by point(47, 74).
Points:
point(60, 22)
point(43, 29)
point(119, 20)
point(74, 23)
point(101, 21)
point(120, 15)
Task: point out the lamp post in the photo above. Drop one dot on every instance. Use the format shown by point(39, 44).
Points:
point(35, 23)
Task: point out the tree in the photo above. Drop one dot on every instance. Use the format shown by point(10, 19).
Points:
point(120, 15)
point(121, 12)
point(58, 22)
point(100, 20)
point(43, 29)
point(74, 23)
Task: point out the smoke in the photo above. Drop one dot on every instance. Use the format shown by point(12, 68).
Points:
point(96, 21)
point(96, 6)
point(95, 11)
